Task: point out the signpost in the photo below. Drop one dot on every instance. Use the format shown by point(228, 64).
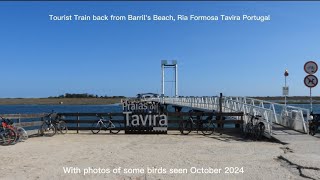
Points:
point(311, 80)
point(310, 67)
point(285, 89)
point(285, 92)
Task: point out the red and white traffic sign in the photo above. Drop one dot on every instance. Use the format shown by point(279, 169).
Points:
point(310, 67)
point(311, 81)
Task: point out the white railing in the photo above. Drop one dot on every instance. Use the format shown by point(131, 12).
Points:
point(289, 116)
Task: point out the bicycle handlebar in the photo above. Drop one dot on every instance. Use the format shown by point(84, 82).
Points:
point(49, 115)
point(257, 117)
point(253, 115)
point(101, 117)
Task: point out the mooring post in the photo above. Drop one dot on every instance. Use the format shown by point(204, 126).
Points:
point(78, 118)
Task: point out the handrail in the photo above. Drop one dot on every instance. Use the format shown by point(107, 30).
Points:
point(274, 111)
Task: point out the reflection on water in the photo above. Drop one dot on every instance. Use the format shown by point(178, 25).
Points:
point(32, 109)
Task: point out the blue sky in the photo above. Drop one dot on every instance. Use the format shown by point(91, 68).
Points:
point(41, 58)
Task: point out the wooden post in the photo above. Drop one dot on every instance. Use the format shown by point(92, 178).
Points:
point(241, 124)
point(78, 118)
point(221, 117)
point(220, 103)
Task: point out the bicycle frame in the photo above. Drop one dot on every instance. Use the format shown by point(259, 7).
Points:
point(106, 123)
point(198, 123)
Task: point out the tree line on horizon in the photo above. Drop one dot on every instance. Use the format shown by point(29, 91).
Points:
point(84, 95)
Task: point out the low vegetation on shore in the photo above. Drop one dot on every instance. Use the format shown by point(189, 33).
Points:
point(66, 99)
point(59, 101)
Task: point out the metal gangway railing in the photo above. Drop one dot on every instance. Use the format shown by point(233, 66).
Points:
point(289, 116)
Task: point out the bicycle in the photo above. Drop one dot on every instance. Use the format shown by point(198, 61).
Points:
point(22, 134)
point(114, 127)
point(48, 128)
point(205, 126)
point(314, 125)
point(60, 125)
point(7, 133)
point(254, 128)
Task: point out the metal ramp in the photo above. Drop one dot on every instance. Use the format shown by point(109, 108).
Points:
point(273, 114)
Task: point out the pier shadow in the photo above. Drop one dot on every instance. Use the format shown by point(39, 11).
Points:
point(226, 135)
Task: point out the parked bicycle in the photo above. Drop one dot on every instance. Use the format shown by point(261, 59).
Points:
point(104, 124)
point(254, 128)
point(53, 124)
point(206, 126)
point(48, 128)
point(7, 134)
point(314, 124)
point(60, 125)
point(20, 133)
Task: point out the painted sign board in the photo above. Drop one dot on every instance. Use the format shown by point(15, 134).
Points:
point(144, 117)
point(285, 91)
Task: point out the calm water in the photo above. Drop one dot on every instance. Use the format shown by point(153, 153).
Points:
point(32, 109)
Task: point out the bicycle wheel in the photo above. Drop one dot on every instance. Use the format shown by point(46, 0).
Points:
point(207, 127)
point(9, 137)
point(23, 135)
point(255, 133)
point(186, 127)
point(62, 127)
point(312, 130)
point(248, 130)
point(96, 127)
point(114, 127)
point(2, 138)
point(48, 130)
point(261, 129)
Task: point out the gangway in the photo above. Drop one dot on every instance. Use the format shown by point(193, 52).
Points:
point(273, 114)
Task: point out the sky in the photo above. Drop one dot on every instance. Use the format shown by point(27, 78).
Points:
point(41, 58)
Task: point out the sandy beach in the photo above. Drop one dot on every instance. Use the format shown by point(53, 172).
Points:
point(173, 156)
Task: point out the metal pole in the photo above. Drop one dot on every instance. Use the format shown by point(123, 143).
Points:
point(220, 118)
point(285, 96)
point(311, 101)
point(176, 81)
point(286, 73)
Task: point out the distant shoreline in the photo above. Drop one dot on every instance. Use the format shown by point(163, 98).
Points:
point(59, 101)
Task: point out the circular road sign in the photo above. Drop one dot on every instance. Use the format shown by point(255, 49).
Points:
point(310, 67)
point(311, 81)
